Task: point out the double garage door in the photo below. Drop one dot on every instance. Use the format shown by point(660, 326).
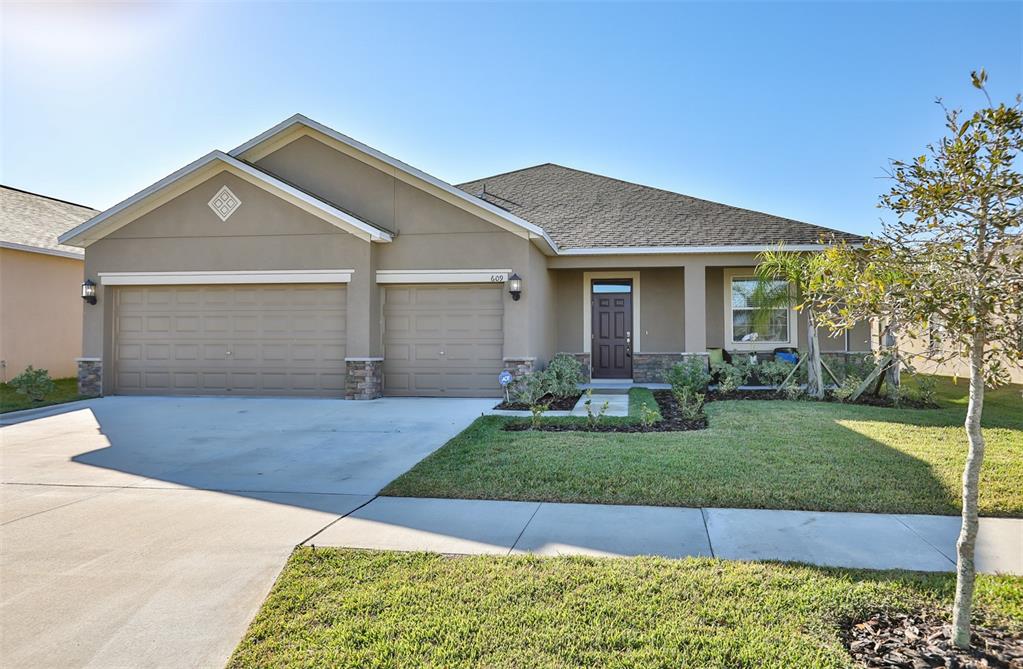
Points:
point(441, 341)
point(230, 340)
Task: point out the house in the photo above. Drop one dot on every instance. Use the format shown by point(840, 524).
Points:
point(40, 283)
point(304, 262)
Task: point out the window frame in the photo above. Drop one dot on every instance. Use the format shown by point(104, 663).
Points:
point(732, 273)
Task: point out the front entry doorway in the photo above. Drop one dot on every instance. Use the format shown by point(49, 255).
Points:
point(612, 329)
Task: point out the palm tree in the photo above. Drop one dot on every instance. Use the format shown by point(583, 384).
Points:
point(783, 280)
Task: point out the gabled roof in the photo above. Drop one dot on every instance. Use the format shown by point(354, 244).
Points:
point(32, 222)
point(589, 213)
point(124, 212)
point(250, 149)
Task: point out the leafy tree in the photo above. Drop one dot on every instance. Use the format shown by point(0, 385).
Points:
point(954, 255)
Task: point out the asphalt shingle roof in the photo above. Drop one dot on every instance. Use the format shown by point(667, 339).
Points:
point(36, 220)
point(582, 210)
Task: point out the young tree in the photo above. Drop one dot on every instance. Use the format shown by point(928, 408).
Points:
point(954, 255)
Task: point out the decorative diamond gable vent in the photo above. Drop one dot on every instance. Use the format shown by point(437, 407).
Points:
point(225, 203)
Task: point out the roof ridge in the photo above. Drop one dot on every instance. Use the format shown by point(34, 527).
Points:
point(504, 174)
point(47, 197)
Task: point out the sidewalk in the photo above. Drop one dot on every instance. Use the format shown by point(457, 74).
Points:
point(865, 540)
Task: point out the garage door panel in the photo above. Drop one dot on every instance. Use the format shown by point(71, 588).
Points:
point(258, 340)
point(443, 340)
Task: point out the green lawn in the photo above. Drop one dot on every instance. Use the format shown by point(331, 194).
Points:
point(341, 608)
point(66, 390)
point(755, 454)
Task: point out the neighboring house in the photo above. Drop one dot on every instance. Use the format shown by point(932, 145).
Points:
point(40, 284)
point(306, 263)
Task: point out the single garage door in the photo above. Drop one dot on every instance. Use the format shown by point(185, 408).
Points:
point(230, 340)
point(443, 340)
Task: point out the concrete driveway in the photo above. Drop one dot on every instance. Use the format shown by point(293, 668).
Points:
point(141, 532)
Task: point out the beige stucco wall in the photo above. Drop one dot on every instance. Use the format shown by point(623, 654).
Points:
point(915, 351)
point(40, 313)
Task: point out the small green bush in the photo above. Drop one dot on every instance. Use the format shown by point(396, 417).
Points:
point(564, 374)
point(729, 377)
point(773, 372)
point(922, 390)
point(536, 412)
point(689, 374)
point(592, 418)
point(849, 385)
point(690, 403)
point(531, 387)
point(35, 383)
point(648, 415)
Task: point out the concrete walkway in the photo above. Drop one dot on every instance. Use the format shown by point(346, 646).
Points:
point(871, 541)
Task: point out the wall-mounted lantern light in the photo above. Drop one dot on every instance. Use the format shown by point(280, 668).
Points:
point(515, 286)
point(89, 291)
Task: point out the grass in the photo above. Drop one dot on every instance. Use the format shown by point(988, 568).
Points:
point(755, 454)
point(65, 390)
point(342, 608)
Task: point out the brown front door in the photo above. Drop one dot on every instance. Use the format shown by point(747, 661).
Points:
point(612, 329)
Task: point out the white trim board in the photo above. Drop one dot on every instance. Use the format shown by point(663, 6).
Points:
point(443, 275)
point(690, 250)
point(13, 246)
point(588, 278)
point(214, 277)
point(730, 273)
point(199, 171)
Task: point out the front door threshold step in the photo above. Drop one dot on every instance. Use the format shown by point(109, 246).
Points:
point(832, 539)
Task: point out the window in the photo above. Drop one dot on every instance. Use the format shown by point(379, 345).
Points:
point(745, 328)
point(612, 287)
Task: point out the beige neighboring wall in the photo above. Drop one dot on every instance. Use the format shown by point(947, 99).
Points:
point(40, 313)
point(916, 350)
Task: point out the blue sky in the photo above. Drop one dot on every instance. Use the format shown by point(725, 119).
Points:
point(789, 108)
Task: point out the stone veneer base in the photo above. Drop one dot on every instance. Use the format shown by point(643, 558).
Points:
point(364, 378)
point(653, 367)
point(90, 376)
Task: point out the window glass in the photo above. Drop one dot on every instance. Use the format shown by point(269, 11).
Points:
point(612, 287)
point(772, 327)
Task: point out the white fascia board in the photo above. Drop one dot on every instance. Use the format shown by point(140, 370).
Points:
point(690, 250)
point(299, 119)
point(76, 236)
point(443, 276)
point(229, 277)
point(39, 249)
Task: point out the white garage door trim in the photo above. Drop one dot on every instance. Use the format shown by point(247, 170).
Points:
point(442, 275)
point(213, 277)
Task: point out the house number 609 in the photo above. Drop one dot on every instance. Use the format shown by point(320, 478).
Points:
point(497, 278)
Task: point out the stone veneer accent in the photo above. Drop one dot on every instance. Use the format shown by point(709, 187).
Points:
point(519, 367)
point(653, 367)
point(364, 378)
point(90, 376)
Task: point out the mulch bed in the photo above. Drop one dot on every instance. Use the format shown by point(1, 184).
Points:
point(566, 403)
point(921, 641)
point(868, 400)
point(714, 396)
point(671, 421)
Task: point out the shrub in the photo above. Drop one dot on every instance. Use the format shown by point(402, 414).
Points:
point(648, 415)
point(690, 403)
point(593, 418)
point(35, 383)
point(923, 390)
point(849, 385)
point(773, 372)
point(536, 412)
point(729, 377)
point(564, 374)
point(689, 374)
point(531, 387)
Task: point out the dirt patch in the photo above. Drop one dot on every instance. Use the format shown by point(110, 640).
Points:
point(922, 640)
point(671, 421)
point(566, 403)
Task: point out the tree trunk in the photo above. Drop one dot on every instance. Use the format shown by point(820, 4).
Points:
point(892, 374)
point(814, 373)
point(965, 568)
